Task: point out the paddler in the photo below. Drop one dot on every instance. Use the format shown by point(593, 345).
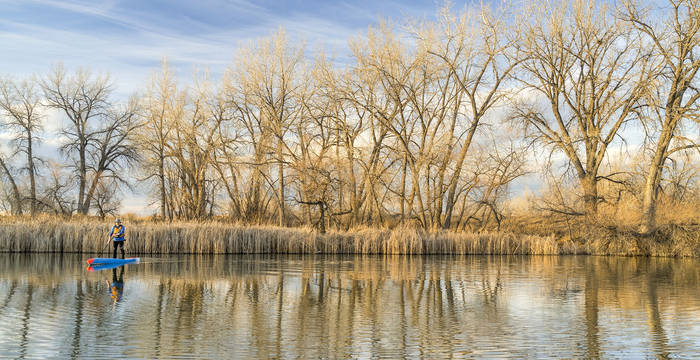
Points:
point(116, 236)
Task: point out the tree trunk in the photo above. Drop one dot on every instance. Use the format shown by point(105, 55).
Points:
point(201, 195)
point(91, 192)
point(280, 175)
point(16, 204)
point(322, 220)
point(653, 180)
point(161, 176)
point(590, 194)
point(83, 180)
point(457, 173)
point(32, 180)
point(418, 194)
point(403, 189)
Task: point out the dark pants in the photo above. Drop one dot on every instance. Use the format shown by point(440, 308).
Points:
point(118, 244)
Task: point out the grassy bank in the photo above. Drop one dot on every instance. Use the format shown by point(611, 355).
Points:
point(89, 236)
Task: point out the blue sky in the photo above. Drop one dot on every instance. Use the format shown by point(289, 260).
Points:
point(128, 39)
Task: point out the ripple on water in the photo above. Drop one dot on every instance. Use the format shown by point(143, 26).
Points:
point(349, 307)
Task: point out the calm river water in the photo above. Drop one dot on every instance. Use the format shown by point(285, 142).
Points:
point(350, 307)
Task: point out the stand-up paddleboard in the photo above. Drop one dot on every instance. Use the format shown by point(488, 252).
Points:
point(99, 267)
point(112, 261)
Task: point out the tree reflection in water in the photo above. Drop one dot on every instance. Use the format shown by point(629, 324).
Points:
point(334, 306)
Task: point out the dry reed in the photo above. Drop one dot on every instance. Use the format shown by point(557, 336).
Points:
point(89, 236)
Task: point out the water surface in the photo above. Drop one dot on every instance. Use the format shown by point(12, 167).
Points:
point(350, 307)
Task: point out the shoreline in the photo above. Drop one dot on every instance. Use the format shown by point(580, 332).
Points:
point(147, 238)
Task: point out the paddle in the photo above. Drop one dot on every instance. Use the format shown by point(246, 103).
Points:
point(107, 244)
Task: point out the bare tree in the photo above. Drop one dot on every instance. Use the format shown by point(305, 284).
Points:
point(113, 150)
point(478, 50)
point(84, 100)
point(57, 197)
point(163, 106)
point(420, 96)
point(190, 150)
point(674, 35)
point(269, 72)
point(241, 157)
point(20, 103)
point(494, 166)
point(15, 198)
point(362, 136)
point(98, 138)
point(106, 201)
point(583, 75)
point(314, 139)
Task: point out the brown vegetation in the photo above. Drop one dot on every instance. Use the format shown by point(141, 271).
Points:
point(428, 126)
point(53, 235)
point(524, 237)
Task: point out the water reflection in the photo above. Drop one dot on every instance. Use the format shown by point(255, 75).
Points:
point(349, 307)
point(116, 287)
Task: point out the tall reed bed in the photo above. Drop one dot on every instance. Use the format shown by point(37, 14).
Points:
point(51, 235)
point(88, 236)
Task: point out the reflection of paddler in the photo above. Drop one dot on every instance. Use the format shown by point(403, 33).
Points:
point(116, 288)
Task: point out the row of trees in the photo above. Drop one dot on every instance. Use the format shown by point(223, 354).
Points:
point(428, 124)
point(97, 142)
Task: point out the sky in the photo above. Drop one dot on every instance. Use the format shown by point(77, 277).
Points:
point(129, 39)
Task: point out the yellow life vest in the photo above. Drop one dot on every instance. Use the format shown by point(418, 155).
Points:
point(117, 230)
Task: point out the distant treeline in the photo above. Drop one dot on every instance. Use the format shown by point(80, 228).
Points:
point(428, 124)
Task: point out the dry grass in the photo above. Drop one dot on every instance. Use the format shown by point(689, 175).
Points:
point(603, 236)
point(614, 229)
point(527, 236)
point(89, 236)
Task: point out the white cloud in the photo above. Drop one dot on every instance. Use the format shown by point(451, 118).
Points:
point(35, 47)
point(129, 44)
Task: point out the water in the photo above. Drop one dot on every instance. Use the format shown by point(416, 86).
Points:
point(351, 307)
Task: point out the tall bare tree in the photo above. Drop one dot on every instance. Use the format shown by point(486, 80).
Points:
point(674, 35)
point(422, 92)
point(163, 106)
point(583, 74)
point(98, 136)
point(477, 48)
point(20, 103)
point(190, 153)
point(314, 139)
point(113, 152)
point(15, 197)
point(83, 98)
point(362, 136)
point(270, 73)
point(242, 159)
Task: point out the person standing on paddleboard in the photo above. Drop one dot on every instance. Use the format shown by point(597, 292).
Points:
point(116, 236)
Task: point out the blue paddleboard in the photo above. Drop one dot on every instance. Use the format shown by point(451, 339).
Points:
point(100, 267)
point(112, 261)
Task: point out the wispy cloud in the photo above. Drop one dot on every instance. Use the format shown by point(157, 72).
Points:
point(128, 39)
